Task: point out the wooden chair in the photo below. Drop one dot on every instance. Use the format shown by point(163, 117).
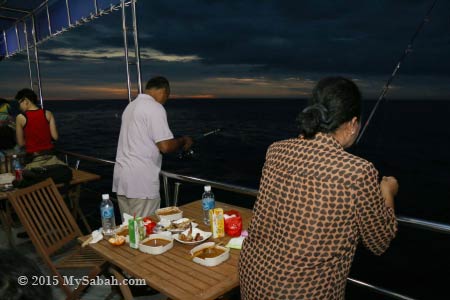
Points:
point(51, 227)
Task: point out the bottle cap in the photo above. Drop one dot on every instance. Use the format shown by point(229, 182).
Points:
point(207, 188)
point(105, 196)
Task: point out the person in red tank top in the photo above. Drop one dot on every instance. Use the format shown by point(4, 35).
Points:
point(35, 127)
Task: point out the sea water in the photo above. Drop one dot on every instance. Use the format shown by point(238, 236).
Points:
point(406, 139)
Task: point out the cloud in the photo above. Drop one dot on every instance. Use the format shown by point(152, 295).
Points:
point(258, 48)
point(114, 53)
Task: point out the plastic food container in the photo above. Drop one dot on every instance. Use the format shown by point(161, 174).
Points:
point(156, 248)
point(170, 213)
point(210, 261)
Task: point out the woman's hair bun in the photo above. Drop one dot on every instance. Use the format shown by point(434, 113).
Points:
point(313, 119)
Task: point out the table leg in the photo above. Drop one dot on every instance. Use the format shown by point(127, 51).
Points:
point(74, 198)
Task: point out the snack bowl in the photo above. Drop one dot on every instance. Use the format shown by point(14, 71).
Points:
point(117, 240)
point(156, 244)
point(170, 213)
point(218, 254)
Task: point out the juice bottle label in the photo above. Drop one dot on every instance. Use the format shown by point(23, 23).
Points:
point(217, 222)
point(133, 233)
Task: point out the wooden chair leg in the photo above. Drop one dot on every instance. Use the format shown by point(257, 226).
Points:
point(82, 286)
point(5, 218)
point(124, 288)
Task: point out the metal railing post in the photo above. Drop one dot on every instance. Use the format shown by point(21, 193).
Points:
point(166, 190)
point(176, 192)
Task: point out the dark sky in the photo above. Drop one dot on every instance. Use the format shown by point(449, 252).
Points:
point(257, 48)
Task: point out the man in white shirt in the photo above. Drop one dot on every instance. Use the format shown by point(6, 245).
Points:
point(144, 136)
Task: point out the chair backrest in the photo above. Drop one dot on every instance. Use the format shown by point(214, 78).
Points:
point(45, 216)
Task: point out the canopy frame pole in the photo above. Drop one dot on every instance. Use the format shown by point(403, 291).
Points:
point(69, 22)
point(48, 21)
point(6, 43)
point(136, 46)
point(125, 48)
point(17, 37)
point(36, 56)
point(96, 7)
point(28, 53)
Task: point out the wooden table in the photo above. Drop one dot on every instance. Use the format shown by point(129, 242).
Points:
point(173, 273)
point(78, 178)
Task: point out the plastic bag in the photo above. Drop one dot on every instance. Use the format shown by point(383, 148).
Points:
point(233, 224)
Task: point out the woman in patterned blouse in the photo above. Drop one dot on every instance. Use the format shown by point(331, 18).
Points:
point(316, 202)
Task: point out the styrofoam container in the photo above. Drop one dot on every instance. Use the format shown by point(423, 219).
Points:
point(213, 261)
point(178, 214)
point(159, 249)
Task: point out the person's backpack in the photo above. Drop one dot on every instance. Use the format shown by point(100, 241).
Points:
point(7, 137)
point(59, 173)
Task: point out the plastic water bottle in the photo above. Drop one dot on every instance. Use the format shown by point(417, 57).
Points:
point(17, 167)
point(208, 203)
point(107, 213)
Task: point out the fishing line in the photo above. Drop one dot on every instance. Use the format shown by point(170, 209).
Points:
point(396, 68)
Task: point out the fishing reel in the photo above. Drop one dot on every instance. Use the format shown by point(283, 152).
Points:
point(188, 154)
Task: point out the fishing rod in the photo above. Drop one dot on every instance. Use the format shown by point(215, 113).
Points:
point(396, 68)
point(190, 153)
point(210, 132)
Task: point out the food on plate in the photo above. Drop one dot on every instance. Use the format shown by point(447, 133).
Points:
point(168, 211)
point(117, 240)
point(156, 242)
point(179, 225)
point(189, 237)
point(209, 252)
point(123, 231)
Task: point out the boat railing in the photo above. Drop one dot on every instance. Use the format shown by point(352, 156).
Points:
point(403, 220)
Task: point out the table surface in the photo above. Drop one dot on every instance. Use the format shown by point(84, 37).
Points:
point(173, 273)
point(79, 177)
